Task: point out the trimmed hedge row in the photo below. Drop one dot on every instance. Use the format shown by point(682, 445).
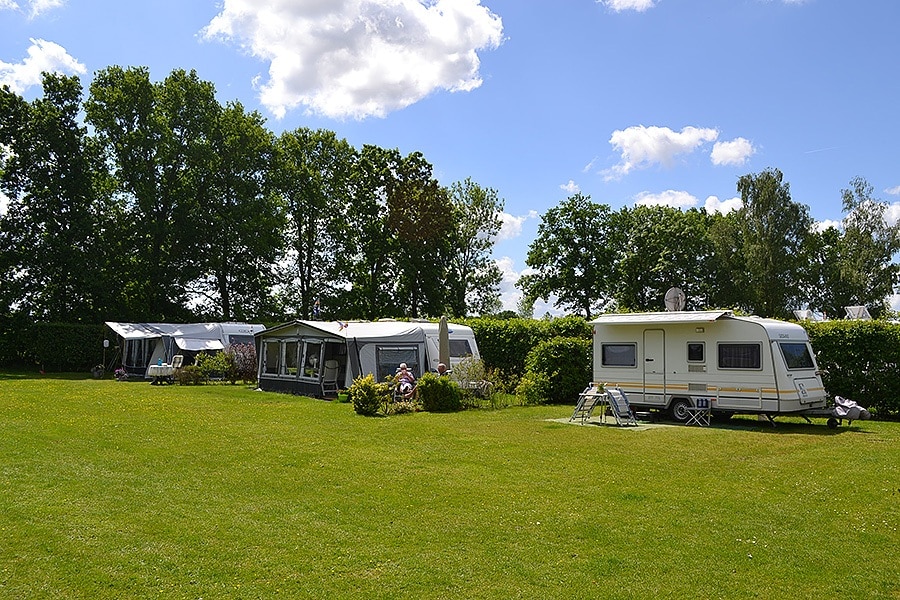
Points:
point(861, 361)
point(504, 343)
point(70, 347)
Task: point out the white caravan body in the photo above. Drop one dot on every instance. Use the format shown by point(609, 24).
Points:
point(669, 360)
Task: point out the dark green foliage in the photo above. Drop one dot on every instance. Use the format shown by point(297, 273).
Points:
point(190, 375)
point(368, 396)
point(439, 394)
point(861, 361)
point(533, 388)
point(63, 346)
point(567, 364)
point(504, 343)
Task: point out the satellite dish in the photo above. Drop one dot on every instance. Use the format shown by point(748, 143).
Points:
point(674, 299)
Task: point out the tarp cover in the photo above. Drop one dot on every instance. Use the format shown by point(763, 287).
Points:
point(188, 336)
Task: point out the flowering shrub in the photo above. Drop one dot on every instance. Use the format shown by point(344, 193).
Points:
point(242, 358)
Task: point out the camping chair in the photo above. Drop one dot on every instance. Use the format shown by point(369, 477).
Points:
point(620, 408)
point(177, 361)
point(587, 401)
point(699, 414)
point(330, 378)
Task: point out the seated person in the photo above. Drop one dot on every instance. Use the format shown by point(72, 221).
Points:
point(406, 381)
point(442, 369)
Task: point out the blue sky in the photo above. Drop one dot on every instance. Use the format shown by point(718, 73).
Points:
point(655, 101)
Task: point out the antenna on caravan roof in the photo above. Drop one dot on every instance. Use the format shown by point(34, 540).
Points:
point(674, 299)
point(858, 312)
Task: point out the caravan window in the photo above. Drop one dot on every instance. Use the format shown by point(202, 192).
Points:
point(696, 352)
point(272, 356)
point(312, 359)
point(619, 355)
point(797, 355)
point(388, 358)
point(740, 356)
point(460, 348)
point(290, 358)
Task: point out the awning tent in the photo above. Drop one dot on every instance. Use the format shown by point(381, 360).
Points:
point(290, 354)
point(144, 344)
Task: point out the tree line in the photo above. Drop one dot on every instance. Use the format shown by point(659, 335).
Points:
point(155, 202)
point(767, 258)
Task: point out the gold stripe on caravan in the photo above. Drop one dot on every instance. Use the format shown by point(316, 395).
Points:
point(638, 386)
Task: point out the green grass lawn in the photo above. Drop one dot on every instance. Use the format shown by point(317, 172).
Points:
point(120, 490)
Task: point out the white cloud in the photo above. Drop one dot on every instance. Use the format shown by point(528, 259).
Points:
point(359, 58)
point(714, 205)
point(42, 56)
point(570, 187)
point(892, 214)
point(735, 152)
point(38, 7)
point(512, 225)
point(820, 226)
point(643, 146)
point(620, 5)
point(894, 191)
point(510, 295)
point(671, 198)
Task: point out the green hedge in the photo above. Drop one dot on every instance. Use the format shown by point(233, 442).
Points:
point(504, 343)
point(861, 361)
point(566, 362)
point(72, 347)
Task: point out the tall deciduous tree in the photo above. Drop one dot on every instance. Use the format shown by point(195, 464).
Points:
point(421, 219)
point(574, 256)
point(473, 278)
point(313, 174)
point(773, 231)
point(868, 273)
point(238, 223)
point(664, 247)
point(158, 139)
point(54, 264)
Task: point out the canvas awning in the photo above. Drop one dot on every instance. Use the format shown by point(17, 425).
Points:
point(197, 345)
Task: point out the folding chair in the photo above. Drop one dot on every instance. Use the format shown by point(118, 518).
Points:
point(700, 414)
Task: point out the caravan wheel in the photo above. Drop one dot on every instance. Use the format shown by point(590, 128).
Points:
point(679, 409)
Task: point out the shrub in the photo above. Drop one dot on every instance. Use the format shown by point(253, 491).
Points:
point(242, 362)
point(439, 394)
point(189, 375)
point(368, 396)
point(216, 366)
point(533, 388)
point(402, 407)
point(504, 343)
point(566, 362)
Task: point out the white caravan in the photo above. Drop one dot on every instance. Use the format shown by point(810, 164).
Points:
point(670, 360)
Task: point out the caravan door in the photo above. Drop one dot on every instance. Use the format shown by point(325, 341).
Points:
point(654, 367)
